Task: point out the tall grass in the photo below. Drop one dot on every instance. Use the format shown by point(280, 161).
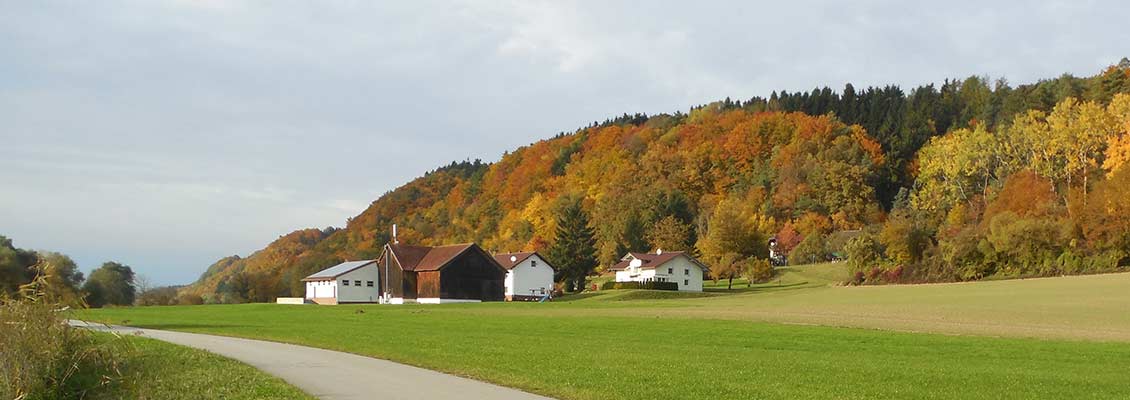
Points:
point(41, 357)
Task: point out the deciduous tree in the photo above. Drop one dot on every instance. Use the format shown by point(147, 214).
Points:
point(110, 284)
point(671, 234)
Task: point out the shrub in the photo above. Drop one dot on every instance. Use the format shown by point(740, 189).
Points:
point(1028, 246)
point(757, 270)
point(649, 285)
point(963, 254)
point(863, 252)
point(44, 358)
point(810, 250)
point(186, 299)
point(893, 275)
point(874, 274)
point(161, 296)
point(904, 239)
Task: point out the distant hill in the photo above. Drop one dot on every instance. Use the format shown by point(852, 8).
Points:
point(822, 160)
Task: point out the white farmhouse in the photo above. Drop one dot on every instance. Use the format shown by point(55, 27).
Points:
point(528, 275)
point(662, 266)
point(348, 282)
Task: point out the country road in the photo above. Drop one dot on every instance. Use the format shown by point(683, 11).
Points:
point(328, 374)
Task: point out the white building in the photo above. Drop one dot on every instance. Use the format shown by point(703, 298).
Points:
point(348, 282)
point(662, 266)
point(528, 275)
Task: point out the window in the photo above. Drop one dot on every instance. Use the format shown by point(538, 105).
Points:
point(670, 270)
point(686, 271)
point(533, 263)
point(345, 282)
point(357, 283)
point(369, 283)
point(686, 282)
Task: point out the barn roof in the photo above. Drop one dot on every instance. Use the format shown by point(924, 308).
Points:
point(504, 259)
point(423, 258)
point(337, 270)
point(652, 261)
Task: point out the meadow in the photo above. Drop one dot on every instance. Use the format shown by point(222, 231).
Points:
point(797, 337)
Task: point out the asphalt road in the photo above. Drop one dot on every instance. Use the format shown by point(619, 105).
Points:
point(328, 374)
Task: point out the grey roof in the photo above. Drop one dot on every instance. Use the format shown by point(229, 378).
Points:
point(337, 270)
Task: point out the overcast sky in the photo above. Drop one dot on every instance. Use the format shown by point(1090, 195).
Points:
point(168, 134)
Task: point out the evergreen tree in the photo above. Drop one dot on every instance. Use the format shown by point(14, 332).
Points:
point(574, 249)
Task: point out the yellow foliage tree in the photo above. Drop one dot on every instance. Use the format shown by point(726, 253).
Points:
point(1118, 146)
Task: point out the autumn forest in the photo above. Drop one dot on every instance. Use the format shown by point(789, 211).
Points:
point(960, 181)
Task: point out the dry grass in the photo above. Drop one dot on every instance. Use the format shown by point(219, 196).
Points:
point(43, 358)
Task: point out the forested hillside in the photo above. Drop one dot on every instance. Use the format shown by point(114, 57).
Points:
point(887, 165)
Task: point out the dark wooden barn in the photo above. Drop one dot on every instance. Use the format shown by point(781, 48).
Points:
point(455, 273)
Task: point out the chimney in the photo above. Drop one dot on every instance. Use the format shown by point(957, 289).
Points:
point(394, 241)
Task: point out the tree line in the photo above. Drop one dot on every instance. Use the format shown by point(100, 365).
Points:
point(59, 278)
point(824, 172)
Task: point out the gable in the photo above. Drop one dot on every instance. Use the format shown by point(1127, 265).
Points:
point(423, 258)
point(509, 261)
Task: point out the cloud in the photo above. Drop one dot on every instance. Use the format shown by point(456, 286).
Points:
point(167, 134)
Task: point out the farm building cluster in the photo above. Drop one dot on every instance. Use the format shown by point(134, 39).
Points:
point(466, 273)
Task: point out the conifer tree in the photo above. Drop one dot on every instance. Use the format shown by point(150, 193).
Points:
point(574, 249)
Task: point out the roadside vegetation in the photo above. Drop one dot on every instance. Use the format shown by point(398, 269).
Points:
point(41, 357)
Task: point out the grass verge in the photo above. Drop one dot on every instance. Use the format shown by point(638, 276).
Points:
point(153, 369)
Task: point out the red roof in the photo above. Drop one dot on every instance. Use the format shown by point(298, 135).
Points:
point(652, 261)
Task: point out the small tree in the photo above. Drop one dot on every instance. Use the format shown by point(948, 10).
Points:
point(727, 267)
point(756, 270)
point(669, 233)
point(810, 250)
point(574, 249)
point(788, 238)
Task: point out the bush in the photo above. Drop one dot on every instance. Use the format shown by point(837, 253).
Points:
point(649, 285)
point(189, 299)
point(1028, 246)
point(810, 250)
point(757, 270)
point(162, 296)
point(904, 239)
point(863, 253)
point(44, 358)
point(964, 256)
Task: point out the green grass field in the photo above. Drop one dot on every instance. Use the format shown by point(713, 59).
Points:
point(153, 369)
point(754, 342)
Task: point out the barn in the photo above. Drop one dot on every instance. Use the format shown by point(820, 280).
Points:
point(348, 282)
point(442, 274)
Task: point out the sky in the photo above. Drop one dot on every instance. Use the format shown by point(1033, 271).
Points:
point(168, 134)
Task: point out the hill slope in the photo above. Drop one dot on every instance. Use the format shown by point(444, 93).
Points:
point(764, 157)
